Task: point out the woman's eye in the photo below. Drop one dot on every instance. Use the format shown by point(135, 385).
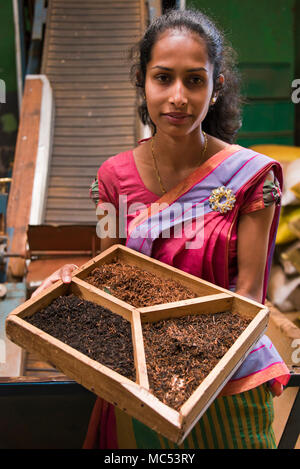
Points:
point(163, 78)
point(196, 80)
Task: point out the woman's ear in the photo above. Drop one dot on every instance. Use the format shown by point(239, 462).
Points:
point(221, 81)
point(219, 85)
point(139, 82)
point(138, 78)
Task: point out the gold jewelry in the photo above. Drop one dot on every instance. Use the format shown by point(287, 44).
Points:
point(219, 194)
point(155, 162)
point(156, 168)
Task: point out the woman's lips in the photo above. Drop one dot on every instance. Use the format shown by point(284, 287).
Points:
point(177, 117)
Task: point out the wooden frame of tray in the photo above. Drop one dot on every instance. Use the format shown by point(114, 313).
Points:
point(135, 398)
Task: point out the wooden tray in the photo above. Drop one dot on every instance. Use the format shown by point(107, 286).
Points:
point(135, 397)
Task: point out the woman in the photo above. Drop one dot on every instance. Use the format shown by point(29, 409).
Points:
point(190, 99)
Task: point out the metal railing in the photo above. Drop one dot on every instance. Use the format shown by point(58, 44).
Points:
point(37, 38)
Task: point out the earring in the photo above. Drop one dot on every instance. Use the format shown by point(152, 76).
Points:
point(214, 99)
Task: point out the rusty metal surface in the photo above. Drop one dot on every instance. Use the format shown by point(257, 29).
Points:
point(52, 246)
point(63, 238)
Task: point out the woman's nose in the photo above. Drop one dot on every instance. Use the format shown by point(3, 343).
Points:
point(178, 97)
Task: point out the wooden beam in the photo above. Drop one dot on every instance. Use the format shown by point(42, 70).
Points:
point(19, 202)
point(30, 170)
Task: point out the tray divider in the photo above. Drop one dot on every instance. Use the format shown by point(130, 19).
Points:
point(94, 294)
point(139, 350)
point(206, 304)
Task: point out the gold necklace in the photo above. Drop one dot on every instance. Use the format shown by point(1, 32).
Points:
point(155, 162)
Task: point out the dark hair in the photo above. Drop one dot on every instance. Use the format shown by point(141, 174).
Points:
point(223, 119)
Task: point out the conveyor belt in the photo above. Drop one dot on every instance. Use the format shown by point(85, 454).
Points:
point(85, 58)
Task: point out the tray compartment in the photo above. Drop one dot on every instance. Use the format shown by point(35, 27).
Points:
point(211, 386)
point(165, 272)
point(37, 340)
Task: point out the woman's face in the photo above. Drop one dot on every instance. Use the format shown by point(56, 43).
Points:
point(179, 83)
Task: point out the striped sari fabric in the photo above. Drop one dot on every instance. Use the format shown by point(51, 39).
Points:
point(240, 421)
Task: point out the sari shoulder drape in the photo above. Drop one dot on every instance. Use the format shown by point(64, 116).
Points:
point(188, 206)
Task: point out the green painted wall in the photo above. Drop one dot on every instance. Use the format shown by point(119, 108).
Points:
point(7, 45)
point(262, 33)
point(8, 110)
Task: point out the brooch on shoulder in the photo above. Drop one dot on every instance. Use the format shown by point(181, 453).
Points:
point(216, 202)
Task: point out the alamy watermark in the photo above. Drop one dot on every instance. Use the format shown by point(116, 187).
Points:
point(137, 221)
point(2, 92)
point(2, 351)
point(296, 92)
point(296, 353)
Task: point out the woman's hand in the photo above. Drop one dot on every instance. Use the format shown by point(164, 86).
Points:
point(64, 274)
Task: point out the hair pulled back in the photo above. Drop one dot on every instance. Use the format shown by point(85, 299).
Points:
point(224, 117)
